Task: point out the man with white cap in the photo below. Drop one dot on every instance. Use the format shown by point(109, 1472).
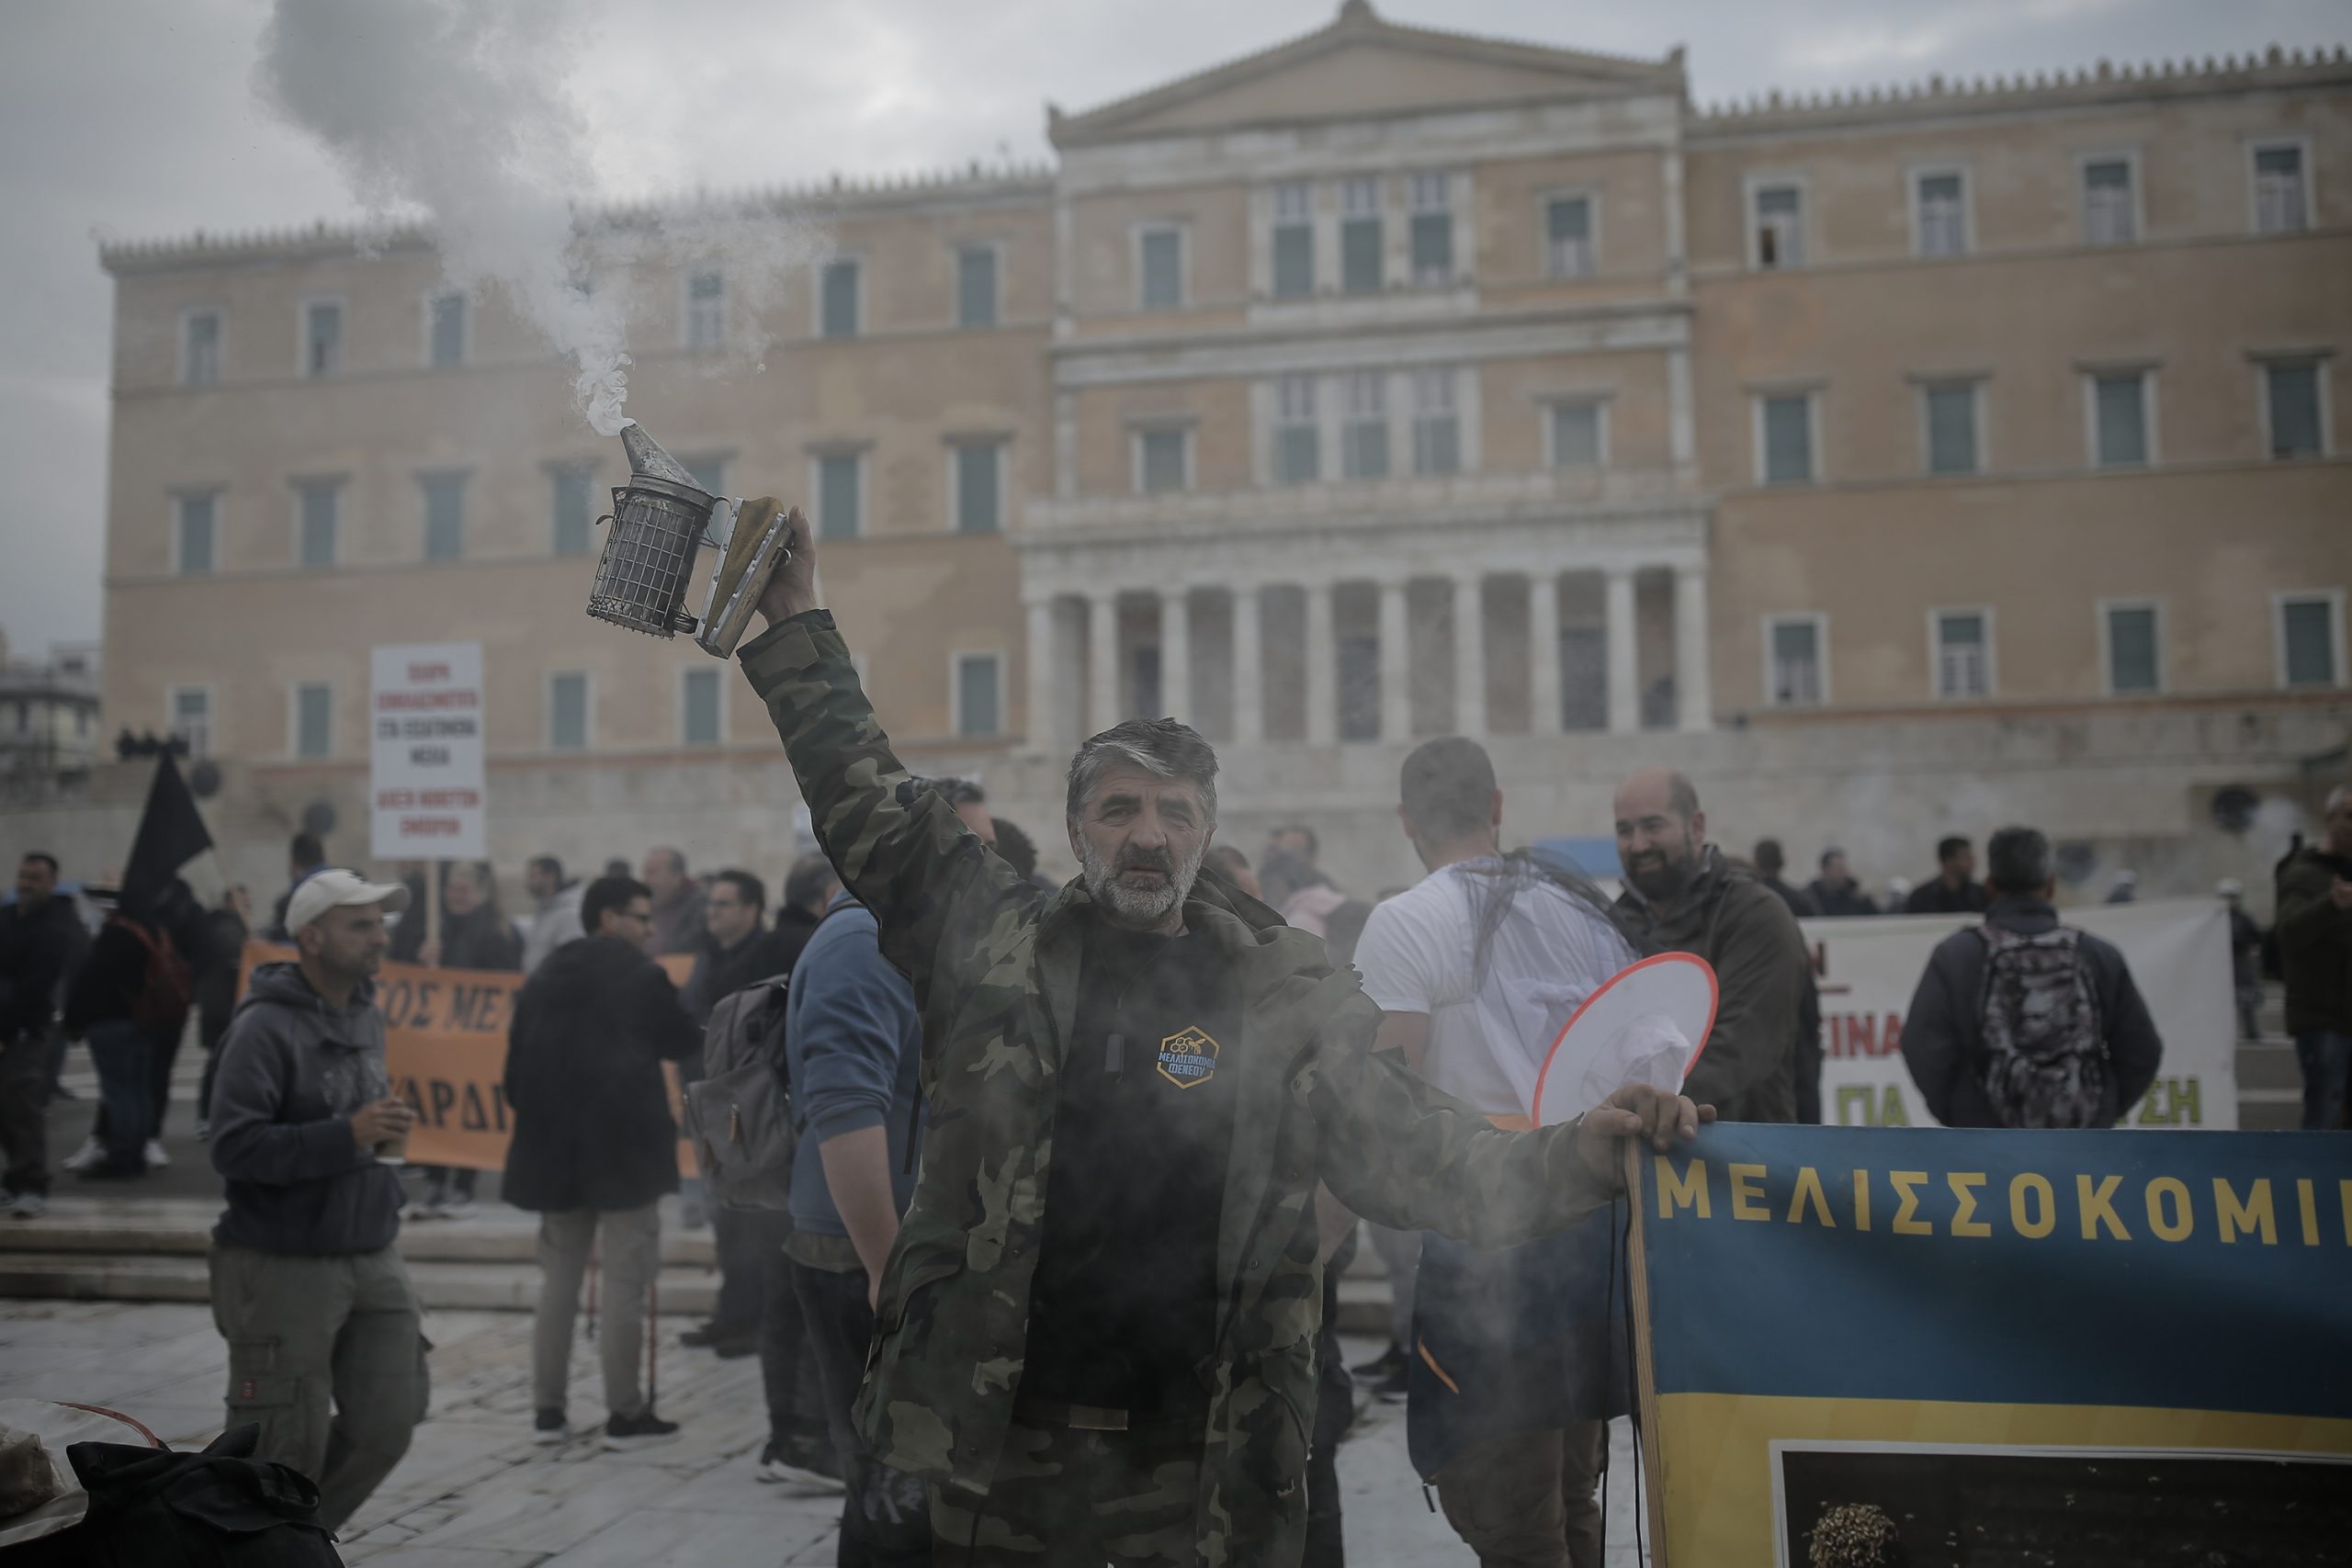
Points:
point(325, 1350)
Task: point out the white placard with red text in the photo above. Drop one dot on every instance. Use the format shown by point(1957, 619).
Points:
point(2179, 954)
point(425, 790)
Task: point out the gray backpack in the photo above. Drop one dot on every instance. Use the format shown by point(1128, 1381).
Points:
point(2045, 1054)
point(738, 1115)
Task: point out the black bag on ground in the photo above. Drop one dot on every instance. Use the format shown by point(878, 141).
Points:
point(739, 1114)
point(155, 1508)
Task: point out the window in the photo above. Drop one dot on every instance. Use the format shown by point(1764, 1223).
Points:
point(1294, 237)
point(840, 495)
point(1575, 435)
point(313, 719)
point(709, 474)
point(1161, 269)
point(444, 330)
point(318, 506)
point(2291, 396)
point(322, 338)
point(2119, 419)
point(1360, 240)
point(1949, 412)
point(444, 516)
point(1299, 455)
point(1163, 461)
point(198, 516)
point(201, 348)
point(2282, 199)
point(706, 311)
point(1568, 236)
point(976, 286)
point(978, 486)
point(2110, 210)
point(2311, 639)
point(1363, 437)
point(698, 707)
point(1778, 223)
point(839, 288)
point(191, 713)
point(1939, 213)
point(1432, 234)
point(1437, 426)
point(1963, 653)
point(572, 517)
point(568, 711)
point(1784, 438)
point(980, 707)
point(2135, 656)
point(1795, 665)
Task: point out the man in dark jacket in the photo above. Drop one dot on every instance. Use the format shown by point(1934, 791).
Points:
point(594, 1146)
point(1835, 893)
point(324, 1347)
point(1954, 889)
point(1943, 1033)
point(132, 1037)
point(41, 936)
point(2314, 926)
point(1770, 862)
point(1682, 895)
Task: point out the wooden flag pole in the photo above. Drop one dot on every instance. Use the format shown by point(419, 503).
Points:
point(1644, 1372)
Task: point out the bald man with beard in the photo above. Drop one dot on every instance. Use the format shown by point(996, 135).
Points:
point(1683, 895)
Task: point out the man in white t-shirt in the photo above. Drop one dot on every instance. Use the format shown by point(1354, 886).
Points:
point(1478, 968)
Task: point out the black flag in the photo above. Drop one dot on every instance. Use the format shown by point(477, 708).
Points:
point(171, 834)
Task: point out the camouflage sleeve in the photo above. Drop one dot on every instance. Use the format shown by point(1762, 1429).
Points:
point(1405, 1155)
point(903, 851)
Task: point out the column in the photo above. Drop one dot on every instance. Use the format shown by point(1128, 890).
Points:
point(1396, 663)
point(1694, 702)
point(1469, 656)
point(1543, 653)
point(1102, 661)
point(1176, 653)
point(1045, 724)
point(1322, 668)
point(1625, 687)
point(1249, 669)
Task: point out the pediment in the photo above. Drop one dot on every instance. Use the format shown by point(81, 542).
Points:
point(1360, 67)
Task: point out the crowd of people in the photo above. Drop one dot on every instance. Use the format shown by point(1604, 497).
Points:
point(1069, 1167)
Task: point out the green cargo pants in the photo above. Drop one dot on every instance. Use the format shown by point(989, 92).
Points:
point(327, 1354)
point(1064, 1498)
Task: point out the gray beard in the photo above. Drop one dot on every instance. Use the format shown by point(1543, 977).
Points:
point(1127, 907)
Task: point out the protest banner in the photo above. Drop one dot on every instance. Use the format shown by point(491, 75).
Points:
point(2179, 954)
point(445, 1046)
point(427, 798)
point(1865, 1346)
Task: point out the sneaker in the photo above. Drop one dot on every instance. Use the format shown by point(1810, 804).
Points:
point(796, 1465)
point(89, 1158)
point(28, 1205)
point(203, 1131)
point(425, 1208)
point(548, 1426)
point(1380, 1365)
point(156, 1159)
point(701, 1338)
point(622, 1433)
point(1398, 1386)
point(735, 1344)
point(457, 1208)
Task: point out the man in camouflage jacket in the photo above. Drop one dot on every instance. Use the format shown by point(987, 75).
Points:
point(995, 964)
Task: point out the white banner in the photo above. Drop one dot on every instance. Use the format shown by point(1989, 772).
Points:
point(2180, 954)
point(426, 795)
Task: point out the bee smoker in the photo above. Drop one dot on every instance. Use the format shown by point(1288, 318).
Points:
point(659, 521)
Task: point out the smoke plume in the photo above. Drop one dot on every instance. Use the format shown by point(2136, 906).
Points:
point(462, 109)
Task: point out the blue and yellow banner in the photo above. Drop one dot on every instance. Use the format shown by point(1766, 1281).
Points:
point(1861, 1345)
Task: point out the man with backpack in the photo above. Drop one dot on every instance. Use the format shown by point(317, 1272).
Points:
point(2022, 1021)
point(594, 1147)
point(131, 1001)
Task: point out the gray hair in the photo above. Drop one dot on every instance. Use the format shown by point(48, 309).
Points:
point(1160, 746)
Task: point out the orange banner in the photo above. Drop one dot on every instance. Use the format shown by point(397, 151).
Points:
point(444, 1045)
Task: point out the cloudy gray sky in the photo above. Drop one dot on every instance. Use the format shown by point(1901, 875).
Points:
point(138, 119)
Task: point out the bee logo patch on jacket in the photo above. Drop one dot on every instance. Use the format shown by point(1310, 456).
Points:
point(1188, 1059)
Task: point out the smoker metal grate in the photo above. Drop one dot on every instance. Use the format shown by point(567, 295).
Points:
point(641, 578)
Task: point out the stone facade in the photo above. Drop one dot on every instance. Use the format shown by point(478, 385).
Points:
point(1898, 463)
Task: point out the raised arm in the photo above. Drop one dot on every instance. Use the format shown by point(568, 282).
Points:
point(903, 851)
